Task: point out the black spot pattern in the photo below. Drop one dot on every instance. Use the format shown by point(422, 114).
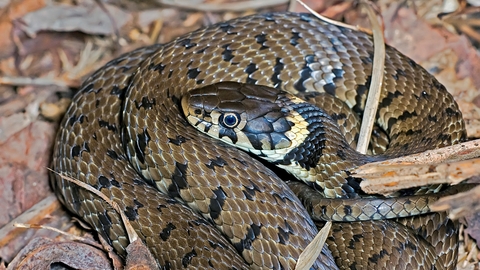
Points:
point(179, 180)
point(305, 73)
point(218, 162)
point(260, 39)
point(145, 103)
point(165, 234)
point(178, 140)
point(193, 73)
point(227, 54)
point(159, 67)
point(277, 69)
point(187, 259)
point(141, 143)
point(250, 69)
point(294, 39)
point(105, 124)
point(217, 202)
point(76, 119)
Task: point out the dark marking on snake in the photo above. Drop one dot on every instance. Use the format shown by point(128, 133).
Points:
point(245, 243)
point(241, 161)
point(450, 112)
point(305, 73)
point(179, 180)
point(104, 124)
point(104, 182)
point(77, 150)
point(218, 162)
point(347, 210)
point(145, 103)
point(260, 39)
point(214, 245)
point(376, 257)
point(140, 144)
point(330, 88)
point(226, 27)
point(167, 266)
point(249, 193)
point(294, 38)
point(131, 213)
point(178, 140)
point(159, 67)
point(278, 197)
point(277, 69)
point(106, 225)
point(227, 54)
point(117, 91)
point(187, 43)
point(404, 116)
point(216, 203)
point(193, 73)
point(387, 101)
point(283, 236)
point(355, 239)
point(366, 60)
point(88, 88)
point(76, 119)
point(165, 233)
point(187, 259)
point(250, 69)
point(400, 72)
point(112, 154)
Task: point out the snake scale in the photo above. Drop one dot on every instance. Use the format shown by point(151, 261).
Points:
point(198, 203)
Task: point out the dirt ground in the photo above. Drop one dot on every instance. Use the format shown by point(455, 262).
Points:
point(50, 47)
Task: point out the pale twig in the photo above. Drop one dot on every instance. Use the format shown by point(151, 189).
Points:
point(22, 81)
point(323, 18)
point(233, 6)
point(376, 82)
point(310, 254)
point(69, 235)
point(132, 235)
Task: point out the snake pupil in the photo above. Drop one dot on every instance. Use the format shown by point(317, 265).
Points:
point(230, 120)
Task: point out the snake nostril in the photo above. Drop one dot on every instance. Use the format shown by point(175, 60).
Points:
point(197, 111)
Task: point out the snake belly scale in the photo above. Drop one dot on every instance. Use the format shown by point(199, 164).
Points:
point(125, 135)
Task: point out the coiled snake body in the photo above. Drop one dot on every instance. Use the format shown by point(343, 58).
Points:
point(125, 135)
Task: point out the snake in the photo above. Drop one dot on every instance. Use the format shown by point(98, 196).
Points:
point(197, 202)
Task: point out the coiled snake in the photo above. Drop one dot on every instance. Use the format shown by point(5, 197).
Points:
point(199, 203)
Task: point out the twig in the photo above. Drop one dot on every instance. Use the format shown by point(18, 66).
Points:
point(376, 82)
point(22, 81)
point(132, 235)
point(310, 254)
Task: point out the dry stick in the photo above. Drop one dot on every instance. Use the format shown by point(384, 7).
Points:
point(234, 6)
point(132, 235)
point(376, 83)
point(69, 235)
point(311, 252)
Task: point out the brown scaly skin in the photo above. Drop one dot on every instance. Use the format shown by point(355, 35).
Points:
point(132, 104)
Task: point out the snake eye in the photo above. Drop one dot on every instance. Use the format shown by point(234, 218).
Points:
point(230, 120)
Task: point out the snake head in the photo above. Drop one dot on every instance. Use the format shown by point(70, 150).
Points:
point(254, 118)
